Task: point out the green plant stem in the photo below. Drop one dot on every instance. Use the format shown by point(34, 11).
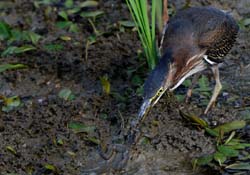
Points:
point(146, 30)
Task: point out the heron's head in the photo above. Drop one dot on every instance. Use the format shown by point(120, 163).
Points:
point(155, 85)
point(169, 73)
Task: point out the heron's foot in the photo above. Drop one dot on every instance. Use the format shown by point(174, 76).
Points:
point(190, 89)
point(217, 88)
point(210, 106)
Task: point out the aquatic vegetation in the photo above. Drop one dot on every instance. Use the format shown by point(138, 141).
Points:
point(146, 27)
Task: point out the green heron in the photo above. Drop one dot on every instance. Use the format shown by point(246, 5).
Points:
point(195, 39)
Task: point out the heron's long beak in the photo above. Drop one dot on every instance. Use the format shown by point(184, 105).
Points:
point(149, 103)
point(158, 81)
point(146, 105)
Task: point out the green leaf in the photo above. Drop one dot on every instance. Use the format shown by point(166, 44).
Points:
point(92, 14)
point(73, 28)
point(246, 21)
point(4, 31)
point(11, 150)
point(91, 39)
point(25, 48)
point(5, 67)
point(204, 88)
point(194, 118)
point(211, 132)
point(10, 50)
point(78, 127)
point(205, 160)
point(63, 24)
point(93, 140)
point(230, 137)
point(88, 4)
point(239, 166)
point(105, 84)
point(17, 50)
point(17, 35)
point(47, 2)
point(233, 142)
point(71, 153)
point(144, 141)
point(244, 157)
point(103, 116)
point(136, 80)
point(227, 151)
point(66, 94)
point(60, 142)
point(139, 91)
point(11, 103)
point(180, 97)
point(53, 47)
point(239, 146)
point(228, 127)
point(187, 83)
point(64, 15)
point(69, 3)
point(203, 82)
point(220, 158)
point(65, 38)
point(127, 23)
point(50, 167)
point(73, 11)
point(34, 37)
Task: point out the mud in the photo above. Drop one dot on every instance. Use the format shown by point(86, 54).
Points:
point(168, 143)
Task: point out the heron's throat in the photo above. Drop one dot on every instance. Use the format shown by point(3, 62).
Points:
point(194, 65)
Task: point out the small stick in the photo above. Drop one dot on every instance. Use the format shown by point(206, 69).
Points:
point(165, 19)
point(165, 12)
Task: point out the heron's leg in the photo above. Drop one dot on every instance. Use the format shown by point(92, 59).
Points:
point(190, 89)
point(217, 88)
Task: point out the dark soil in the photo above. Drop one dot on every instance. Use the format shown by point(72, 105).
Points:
point(34, 128)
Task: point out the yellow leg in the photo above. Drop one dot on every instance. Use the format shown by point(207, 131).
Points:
point(217, 87)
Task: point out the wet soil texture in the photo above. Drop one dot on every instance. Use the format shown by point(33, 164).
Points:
point(40, 136)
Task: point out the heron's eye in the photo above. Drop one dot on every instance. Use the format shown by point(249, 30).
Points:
point(158, 93)
point(160, 90)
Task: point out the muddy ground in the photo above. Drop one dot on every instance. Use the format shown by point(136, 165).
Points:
point(34, 129)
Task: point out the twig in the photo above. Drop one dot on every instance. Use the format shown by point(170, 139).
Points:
point(165, 22)
point(165, 12)
point(122, 119)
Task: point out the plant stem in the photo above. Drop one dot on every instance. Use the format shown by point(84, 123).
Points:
point(145, 27)
point(165, 12)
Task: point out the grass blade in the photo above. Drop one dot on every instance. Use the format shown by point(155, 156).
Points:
point(146, 30)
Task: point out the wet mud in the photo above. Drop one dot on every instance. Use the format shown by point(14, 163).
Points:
point(168, 143)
